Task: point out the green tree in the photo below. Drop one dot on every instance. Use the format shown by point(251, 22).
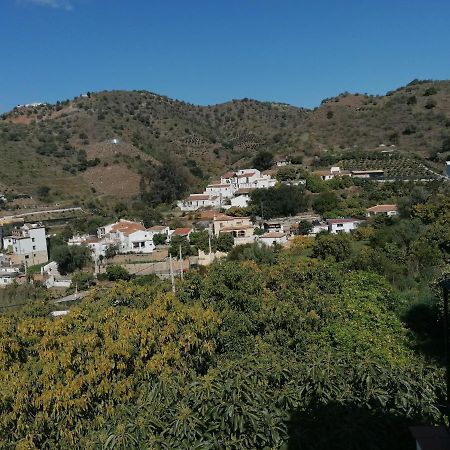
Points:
point(159, 239)
point(263, 160)
point(71, 258)
point(224, 242)
point(82, 280)
point(337, 246)
point(180, 241)
point(116, 273)
point(325, 201)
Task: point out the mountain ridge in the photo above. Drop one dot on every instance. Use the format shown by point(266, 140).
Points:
point(131, 134)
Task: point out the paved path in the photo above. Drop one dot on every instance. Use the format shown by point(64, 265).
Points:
point(44, 211)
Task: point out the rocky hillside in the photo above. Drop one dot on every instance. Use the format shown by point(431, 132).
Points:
point(121, 144)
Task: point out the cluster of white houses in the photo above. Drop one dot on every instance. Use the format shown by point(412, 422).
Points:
point(232, 189)
point(27, 245)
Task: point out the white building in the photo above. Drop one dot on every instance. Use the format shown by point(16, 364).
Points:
point(272, 238)
point(132, 237)
point(241, 198)
point(385, 210)
point(27, 245)
point(220, 190)
point(326, 175)
point(8, 274)
point(317, 227)
point(248, 178)
point(197, 201)
point(342, 225)
point(52, 277)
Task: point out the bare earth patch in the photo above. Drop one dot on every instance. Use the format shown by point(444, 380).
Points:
point(116, 180)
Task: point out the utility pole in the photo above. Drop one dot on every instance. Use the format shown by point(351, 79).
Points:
point(181, 264)
point(172, 279)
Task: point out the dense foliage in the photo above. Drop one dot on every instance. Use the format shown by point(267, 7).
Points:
point(244, 356)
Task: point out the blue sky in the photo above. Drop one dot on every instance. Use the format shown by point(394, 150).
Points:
point(210, 51)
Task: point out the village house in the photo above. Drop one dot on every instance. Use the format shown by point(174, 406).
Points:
point(241, 198)
point(182, 232)
point(281, 162)
point(318, 226)
point(220, 190)
point(385, 210)
point(132, 237)
point(272, 238)
point(248, 178)
point(240, 227)
point(333, 172)
point(336, 226)
point(9, 274)
point(27, 245)
point(197, 201)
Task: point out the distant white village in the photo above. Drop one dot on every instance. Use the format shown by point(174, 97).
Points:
point(27, 245)
point(232, 190)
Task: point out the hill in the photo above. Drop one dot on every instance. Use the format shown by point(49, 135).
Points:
point(122, 144)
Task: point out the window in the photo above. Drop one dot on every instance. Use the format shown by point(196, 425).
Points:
point(34, 247)
point(32, 239)
point(27, 256)
point(135, 244)
point(340, 225)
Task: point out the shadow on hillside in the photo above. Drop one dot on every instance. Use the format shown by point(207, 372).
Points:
point(348, 427)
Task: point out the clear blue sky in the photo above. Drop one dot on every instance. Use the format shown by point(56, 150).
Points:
point(210, 51)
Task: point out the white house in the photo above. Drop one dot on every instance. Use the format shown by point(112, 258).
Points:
point(197, 201)
point(272, 238)
point(220, 190)
point(385, 210)
point(248, 178)
point(132, 238)
point(317, 227)
point(8, 274)
point(342, 225)
point(27, 245)
point(241, 198)
point(283, 162)
point(332, 173)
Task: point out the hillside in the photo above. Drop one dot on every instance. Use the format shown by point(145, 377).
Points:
point(121, 144)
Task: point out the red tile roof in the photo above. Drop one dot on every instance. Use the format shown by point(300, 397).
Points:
point(228, 175)
point(182, 231)
point(383, 208)
point(127, 228)
point(157, 228)
point(194, 197)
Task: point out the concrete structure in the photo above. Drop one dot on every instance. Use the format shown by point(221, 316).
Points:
point(272, 238)
point(27, 245)
point(52, 277)
point(385, 210)
point(241, 198)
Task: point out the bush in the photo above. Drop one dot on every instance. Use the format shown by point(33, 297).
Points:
point(116, 273)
